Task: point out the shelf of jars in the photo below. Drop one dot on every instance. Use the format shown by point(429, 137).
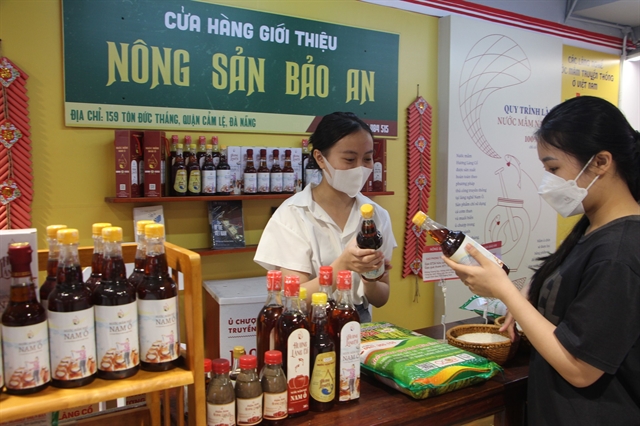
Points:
point(151, 200)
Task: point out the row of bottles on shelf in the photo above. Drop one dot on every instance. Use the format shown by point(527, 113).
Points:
point(78, 330)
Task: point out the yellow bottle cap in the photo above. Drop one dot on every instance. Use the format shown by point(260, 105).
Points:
point(52, 230)
point(68, 236)
point(193, 146)
point(96, 228)
point(419, 218)
point(112, 234)
point(238, 351)
point(367, 211)
point(303, 293)
point(141, 224)
point(319, 298)
point(208, 146)
point(179, 146)
point(154, 230)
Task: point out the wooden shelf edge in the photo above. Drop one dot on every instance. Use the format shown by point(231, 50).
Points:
point(151, 200)
point(213, 252)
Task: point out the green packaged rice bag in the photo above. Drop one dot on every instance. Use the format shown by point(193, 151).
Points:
point(418, 365)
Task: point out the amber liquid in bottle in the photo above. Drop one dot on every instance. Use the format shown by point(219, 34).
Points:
point(323, 357)
point(208, 173)
point(202, 151)
point(264, 174)
point(369, 238)
point(288, 174)
point(215, 152)
point(275, 176)
point(179, 174)
point(266, 324)
point(52, 264)
point(223, 177)
point(325, 281)
point(250, 175)
point(194, 176)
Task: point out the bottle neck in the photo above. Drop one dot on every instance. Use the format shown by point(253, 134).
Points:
point(141, 249)
point(318, 314)
point(327, 289)
point(293, 303)
point(343, 298)
point(68, 256)
point(274, 298)
point(54, 251)
point(154, 246)
point(114, 269)
point(23, 289)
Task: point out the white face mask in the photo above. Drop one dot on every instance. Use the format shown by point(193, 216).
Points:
point(565, 196)
point(349, 181)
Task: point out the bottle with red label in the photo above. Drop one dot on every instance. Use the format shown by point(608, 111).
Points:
point(248, 392)
point(275, 176)
point(288, 174)
point(52, 263)
point(293, 340)
point(274, 388)
point(325, 281)
point(194, 179)
point(25, 339)
point(202, 151)
point(137, 275)
point(250, 175)
point(215, 150)
point(224, 185)
point(97, 256)
point(208, 172)
point(264, 174)
point(179, 174)
point(221, 397)
point(268, 317)
point(322, 387)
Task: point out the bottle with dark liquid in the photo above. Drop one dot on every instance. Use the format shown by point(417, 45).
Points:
point(215, 152)
point(325, 281)
point(179, 174)
point(72, 336)
point(223, 176)
point(250, 175)
point(138, 266)
point(221, 397)
point(193, 173)
point(274, 389)
point(345, 325)
point(303, 302)
point(268, 317)
point(323, 357)
point(264, 174)
point(369, 238)
point(52, 264)
point(116, 313)
point(238, 351)
point(275, 176)
point(25, 339)
point(157, 307)
point(186, 154)
point(97, 256)
point(202, 151)
point(175, 140)
point(293, 340)
point(248, 392)
point(453, 243)
point(306, 154)
point(208, 172)
point(312, 172)
point(288, 174)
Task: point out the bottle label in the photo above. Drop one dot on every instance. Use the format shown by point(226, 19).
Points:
point(72, 340)
point(223, 181)
point(275, 405)
point(162, 178)
point(263, 182)
point(250, 183)
point(158, 320)
point(134, 173)
point(323, 378)
point(208, 181)
point(221, 414)
point(298, 350)
point(276, 182)
point(462, 256)
point(375, 274)
point(26, 355)
point(117, 337)
point(194, 181)
point(349, 362)
point(377, 172)
point(249, 410)
point(288, 182)
point(180, 184)
point(216, 160)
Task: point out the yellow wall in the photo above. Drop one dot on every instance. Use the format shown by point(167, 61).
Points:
point(73, 167)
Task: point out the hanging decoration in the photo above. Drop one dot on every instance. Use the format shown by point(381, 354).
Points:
point(16, 176)
point(419, 116)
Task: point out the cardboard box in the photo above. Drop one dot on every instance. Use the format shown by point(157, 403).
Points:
point(7, 237)
point(231, 310)
point(129, 163)
point(379, 175)
point(234, 158)
point(154, 160)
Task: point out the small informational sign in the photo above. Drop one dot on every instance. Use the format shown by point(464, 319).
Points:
point(434, 268)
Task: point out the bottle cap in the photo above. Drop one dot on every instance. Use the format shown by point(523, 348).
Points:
point(367, 211)
point(96, 228)
point(154, 230)
point(208, 146)
point(20, 258)
point(274, 280)
point(344, 280)
point(187, 139)
point(248, 361)
point(291, 286)
point(180, 146)
point(273, 357)
point(419, 218)
point(174, 139)
point(249, 154)
point(305, 142)
point(220, 366)
point(263, 153)
point(193, 146)
point(238, 351)
point(112, 234)
point(287, 152)
point(325, 275)
point(214, 140)
point(276, 152)
point(302, 294)
point(319, 298)
point(141, 224)
point(68, 236)
point(208, 365)
point(202, 140)
point(52, 230)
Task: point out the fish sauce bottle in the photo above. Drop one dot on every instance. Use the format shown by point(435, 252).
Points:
point(116, 313)
point(194, 179)
point(202, 150)
point(25, 339)
point(293, 340)
point(268, 317)
point(453, 242)
point(157, 307)
point(250, 175)
point(52, 263)
point(275, 176)
point(288, 174)
point(345, 324)
point(369, 238)
point(72, 339)
point(248, 392)
point(208, 172)
point(325, 281)
point(179, 174)
point(238, 351)
point(97, 256)
point(312, 172)
point(323, 357)
point(274, 389)
point(221, 397)
point(223, 176)
point(137, 275)
point(264, 174)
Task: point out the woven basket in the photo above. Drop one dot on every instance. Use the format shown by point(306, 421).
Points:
point(523, 337)
point(499, 352)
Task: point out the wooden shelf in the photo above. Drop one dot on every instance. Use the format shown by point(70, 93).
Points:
point(151, 200)
point(213, 252)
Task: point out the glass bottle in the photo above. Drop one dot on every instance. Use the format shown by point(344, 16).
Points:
point(52, 264)
point(186, 154)
point(193, 172)
point(325, 281)
point(25, 340)
point(453, 242)
point(268, 317)
point(215, 152)
point(175, 140)
point(323, 357)
point(223, 176)
point(250, 175)
point(238, 351)
point(97, 256)
point(221, 397)
point(179, 174)
point(345, 325)
point(137, 275)
point(312, 172)
point(264, 174)
point(288, 174)
point(303, 302)
point(306, 155)
point(274, 388)
point(71, 314)
point(293, 340)
point(208, 172)
point(202, 151)
point(275, 176)
point(248, 392)
point(116, 313)
point(157, 307)
point(369, 238)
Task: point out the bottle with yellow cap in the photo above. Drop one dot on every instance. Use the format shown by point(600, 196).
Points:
point(72, 336)
point(157, 307)
point(52, 263)
point(98, 255)
point(116, 313)
point(238, 351)
point(179, 174)
point(322, 386)
point(137, 275)
point(303, 301)
point(194, 181)
point(370, 238)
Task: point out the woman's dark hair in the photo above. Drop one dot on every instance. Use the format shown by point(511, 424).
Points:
point(582, 127)
point(334, 127)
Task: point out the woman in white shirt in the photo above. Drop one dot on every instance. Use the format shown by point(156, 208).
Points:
point(318, 226)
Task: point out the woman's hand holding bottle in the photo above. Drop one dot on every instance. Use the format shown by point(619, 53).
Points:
point(359, 260)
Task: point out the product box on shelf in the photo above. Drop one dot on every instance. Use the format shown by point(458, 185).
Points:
point(154, 160)
point(379, 175)
point(234, 158)
point(129, 163)
point(9, 236)
point(232, 307)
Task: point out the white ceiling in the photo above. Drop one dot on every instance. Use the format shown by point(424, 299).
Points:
point(621, 12)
